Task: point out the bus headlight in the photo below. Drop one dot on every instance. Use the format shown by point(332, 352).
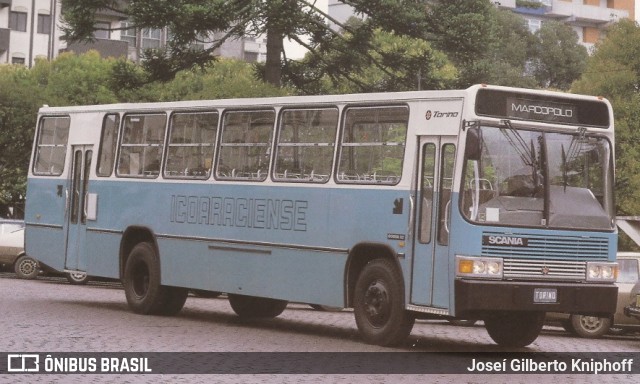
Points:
point(479, 267)
point(604, 272)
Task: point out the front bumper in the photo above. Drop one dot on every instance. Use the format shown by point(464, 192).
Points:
point(632, 311)
point(479, 296)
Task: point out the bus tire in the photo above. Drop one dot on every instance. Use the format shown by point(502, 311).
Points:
point(379, 304)
point(142, 286)
point(252, 307)
point(515, 329)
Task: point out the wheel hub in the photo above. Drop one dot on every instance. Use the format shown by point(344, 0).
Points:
point(376, 303)
point(27, 267)
point(591, 322)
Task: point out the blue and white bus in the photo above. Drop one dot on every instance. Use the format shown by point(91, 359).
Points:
point(488, 203)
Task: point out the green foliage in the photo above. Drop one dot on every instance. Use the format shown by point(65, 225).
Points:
point(613, 71)
point(20, 98)
point(393, 63)
point(222, 79)
point(77, 80)
point(560, 59)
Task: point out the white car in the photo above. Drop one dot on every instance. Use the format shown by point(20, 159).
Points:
point(12, 249)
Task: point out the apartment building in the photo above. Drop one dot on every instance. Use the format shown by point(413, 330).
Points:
point(589, 18)
point(30, 29)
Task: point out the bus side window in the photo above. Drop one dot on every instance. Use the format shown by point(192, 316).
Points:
point(192, 139)
point(446, 185)
point(108, 144)
point(51, 149)
point(306, 143)
point(372, 145)
point(141, 145)
point(245, 144)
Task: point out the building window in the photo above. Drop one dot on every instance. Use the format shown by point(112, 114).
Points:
point(534, 25)
point(102, 30)
point(129, 34)
point(17, 60)
point(151, 38)
point(44, 24)
point(18, 21)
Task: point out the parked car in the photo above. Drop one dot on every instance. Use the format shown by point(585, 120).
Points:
point(12, 249)
point(592, 326)
point(633, 309)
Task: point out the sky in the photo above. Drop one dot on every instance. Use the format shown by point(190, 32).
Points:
point(294, 50)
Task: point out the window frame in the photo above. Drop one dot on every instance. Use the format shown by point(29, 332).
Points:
point(221, 144)
point(122, 145)
point(214, 144)
point(115, 144)
point(340, 143)
point(38, 145)
point(15, 20)
point(277, 143)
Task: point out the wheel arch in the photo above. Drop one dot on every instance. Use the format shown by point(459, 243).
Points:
point(134, 235)
point(359, 256)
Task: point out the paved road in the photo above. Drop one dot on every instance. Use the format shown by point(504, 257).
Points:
point(50, 315)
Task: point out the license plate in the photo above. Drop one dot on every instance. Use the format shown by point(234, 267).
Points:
point(545, 295)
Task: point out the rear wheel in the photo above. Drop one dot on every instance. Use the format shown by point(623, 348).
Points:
point(590, 327)
point(379, 304)
point(515, 329)
point(142, 286)
point(26, 267)
point(256, 307)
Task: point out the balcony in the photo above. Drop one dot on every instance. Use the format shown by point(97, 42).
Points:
point(5, 3)
point(576, 11)
point(106, 48)
point(4, 39)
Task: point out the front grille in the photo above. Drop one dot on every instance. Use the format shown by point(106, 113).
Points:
point(551, 247)
point(547, 257)
point(544, 269)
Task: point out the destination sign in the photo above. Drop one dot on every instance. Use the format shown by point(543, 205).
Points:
point(522, 106)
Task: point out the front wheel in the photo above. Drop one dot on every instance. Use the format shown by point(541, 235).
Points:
point(379, 304)
point(145, 295)
point(514, 329)
point(26, 267)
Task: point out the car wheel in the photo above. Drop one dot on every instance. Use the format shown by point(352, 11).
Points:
point(590, 327)
point(77, 277)
point(26, 267)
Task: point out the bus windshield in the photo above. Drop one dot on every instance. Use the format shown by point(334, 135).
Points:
point(538, 179)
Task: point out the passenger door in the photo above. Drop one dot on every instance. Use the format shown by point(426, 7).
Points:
point(80, 207)
point(430, 270)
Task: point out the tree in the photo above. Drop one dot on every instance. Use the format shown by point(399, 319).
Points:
point(20, 98)
point(511, 47)
point(560, 59)
point(393, 63)
point(196, 20)
point(461, 29)
point(613, 71)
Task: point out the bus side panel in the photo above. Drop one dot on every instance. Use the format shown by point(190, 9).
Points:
point(44, 234)
point(103, 251)
point(254, 270)
point(256, 239)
